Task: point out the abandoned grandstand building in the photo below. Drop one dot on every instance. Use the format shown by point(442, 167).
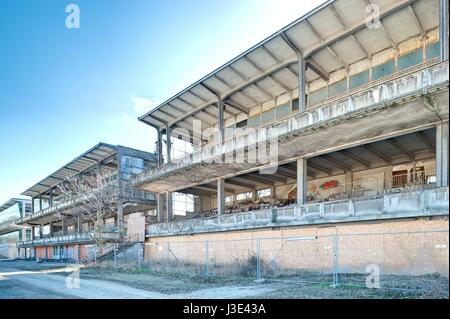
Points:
point(10, 233)
point(60, 228)
point(358, 109)
point(337, 123)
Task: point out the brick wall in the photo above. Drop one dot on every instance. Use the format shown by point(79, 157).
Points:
point(406, 246)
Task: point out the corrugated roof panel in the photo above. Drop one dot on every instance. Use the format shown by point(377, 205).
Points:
point(243, 100)
point(301, 36)
point(427, 11)
point(271, 87)
point(279, 49)
point(256, 94)
point(180, 105)
point(231, 76)
point(325, 23)
point(401, 26)
point(245, 68)
point(193, 99)
point(203, 93)
point(350, 17)
point(287, 78)
point(373, 40)
point(216, 85)
point(349, 50)
point(262, 59)
point(327, 61)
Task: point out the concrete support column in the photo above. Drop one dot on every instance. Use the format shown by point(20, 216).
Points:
point(301, 84)
point(32, 205)
point(160, 207)
point(442, 155)
point(220, 196)
point(443, 29)
point(40, 202)
point(169, 207)
point(302, 181)
point(220, 123)
point(159, 148)
point(50, 200)
point(168, 144)
point(254, 195)
point(32, 232)
point(349, 183)
point(41, 230)
point(78, 224)
point(274, 193)
point(51, 229)
point(64, 226)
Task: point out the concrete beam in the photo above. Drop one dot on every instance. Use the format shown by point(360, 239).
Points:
point(160, 207)
point(443, 29)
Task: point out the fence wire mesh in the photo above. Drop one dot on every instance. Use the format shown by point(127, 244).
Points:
point(374, 260)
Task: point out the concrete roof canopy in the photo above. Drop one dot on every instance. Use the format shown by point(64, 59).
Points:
point(101, 152)
point(330, 38)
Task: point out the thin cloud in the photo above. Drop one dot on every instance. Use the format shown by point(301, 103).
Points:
point(142, 105)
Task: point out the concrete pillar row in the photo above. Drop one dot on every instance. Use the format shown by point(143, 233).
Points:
point(442, 162)
point(302, 181)
point(169, 207)
point(160, 207)
point(301, 84)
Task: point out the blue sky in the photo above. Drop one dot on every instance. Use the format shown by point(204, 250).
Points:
point(64, 90)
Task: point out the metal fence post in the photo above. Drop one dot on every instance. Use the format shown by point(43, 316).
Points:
point(258, 258)
point(206, 258)
point(167, 256)
point(336, 261)
point(115, 256)
point(138, 246)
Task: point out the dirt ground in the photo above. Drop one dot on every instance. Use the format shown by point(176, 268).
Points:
point(198, 286)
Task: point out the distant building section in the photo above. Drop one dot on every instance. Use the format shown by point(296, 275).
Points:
point(10, 233)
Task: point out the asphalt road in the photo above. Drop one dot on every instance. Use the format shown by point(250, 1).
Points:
point(38, 284)
point(19, 284)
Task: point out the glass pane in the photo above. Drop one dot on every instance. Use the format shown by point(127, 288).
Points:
point(382, 70)
point(254, 121)
point(283, 109)
point(241, 124)
point(318, 95)
point(410, 59)
point(295, 105)
point(337, 87)
point(358, 79)
point(433, 50)
point(268, 116)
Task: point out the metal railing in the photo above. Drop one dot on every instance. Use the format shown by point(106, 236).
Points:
point(69, 202)
point(403, 204)
point(63, 239)
point(395, 86)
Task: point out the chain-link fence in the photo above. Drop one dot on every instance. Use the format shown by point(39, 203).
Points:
point(387, 260)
